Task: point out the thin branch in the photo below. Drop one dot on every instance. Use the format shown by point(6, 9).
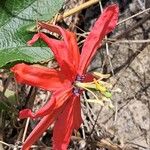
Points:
point(9, 145)
point(25, 130)
point(77, 9)
point(137, 14)
point(16, 146)
point(128, 41)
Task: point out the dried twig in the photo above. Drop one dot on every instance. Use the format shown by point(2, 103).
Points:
point(14, 147)
point(126, 32)
point(25, 129)
point(135, 15)
point(77, 9)
point(108, 145)
point(129, 41)
point(9, 145)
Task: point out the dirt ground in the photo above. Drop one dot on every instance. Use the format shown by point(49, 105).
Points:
point(130, 122)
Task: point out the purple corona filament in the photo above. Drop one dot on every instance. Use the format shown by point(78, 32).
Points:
point(77, 90)
point(80, 78)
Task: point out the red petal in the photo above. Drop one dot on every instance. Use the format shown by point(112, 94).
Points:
point(38, 130)
point(25, 113)
point(58, 99)
point(48, 79)
point(70, 41)
point(73, 49)
point(77, 113)
point(88, 77)
point(34, 39)
point(105, 24)
point(51, 112)
point(58, 47)
point(66, 52)
point(66, 123)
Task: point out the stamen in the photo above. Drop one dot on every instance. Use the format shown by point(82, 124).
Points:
point(100, 75)
point(90, 100)
point(100, 87)
point(97, 85)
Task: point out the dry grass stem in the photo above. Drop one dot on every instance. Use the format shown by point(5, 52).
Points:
point(25, 130)
point(137, 14)
point(77, 9)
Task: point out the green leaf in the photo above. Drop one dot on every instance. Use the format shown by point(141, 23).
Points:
point(15, 19)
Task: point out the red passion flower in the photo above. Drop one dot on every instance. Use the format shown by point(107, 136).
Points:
point(63, 109)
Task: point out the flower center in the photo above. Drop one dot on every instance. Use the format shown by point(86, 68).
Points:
point(80, 78)
point(98, 88)
point(76, 90)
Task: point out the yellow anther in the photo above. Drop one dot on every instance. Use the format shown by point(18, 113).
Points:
point(105, 99)
point(111, 106)
point(95, 101)
point(88, 85)
point(99, 86)
point(108, 85)
point(100, 75)
point(107, 94)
